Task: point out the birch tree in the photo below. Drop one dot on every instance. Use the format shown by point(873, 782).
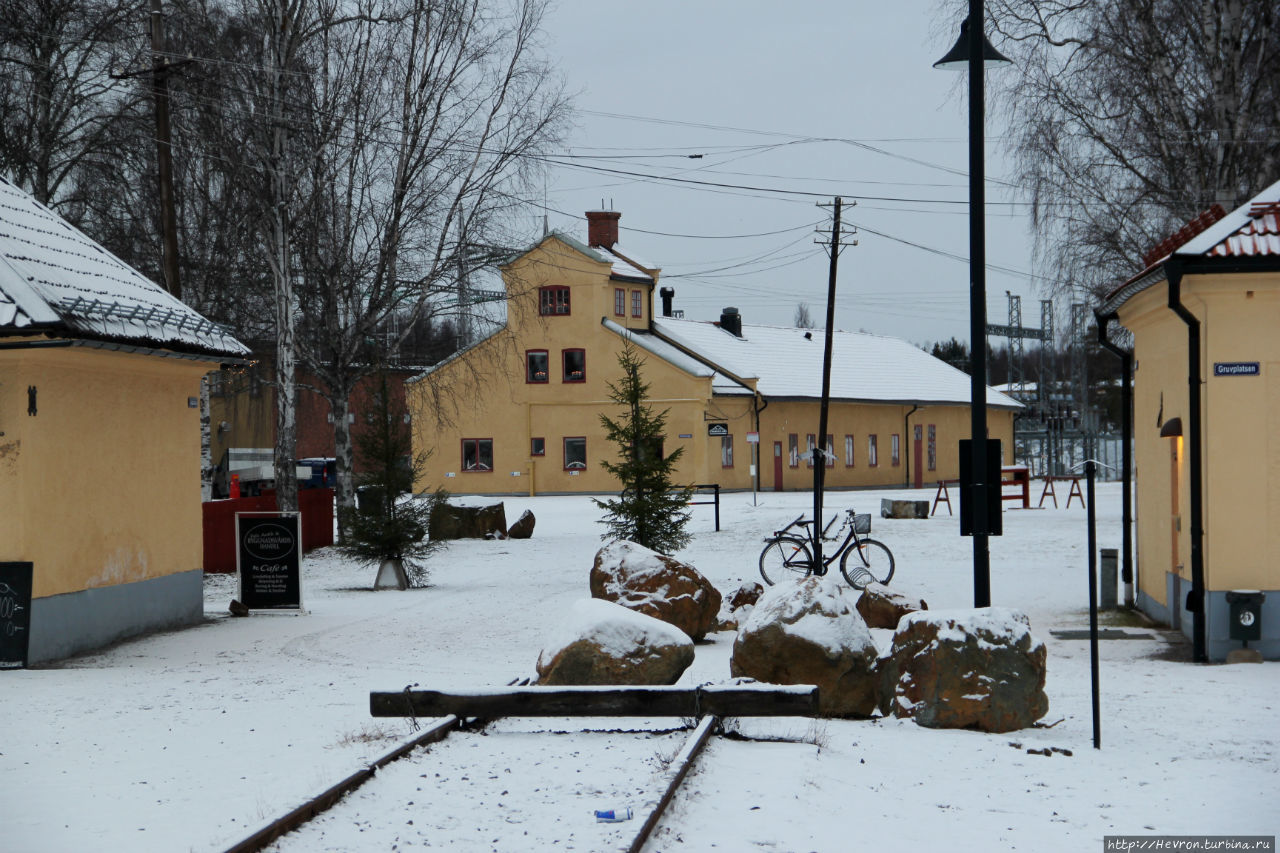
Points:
point(426, 117)
point(1130, 117)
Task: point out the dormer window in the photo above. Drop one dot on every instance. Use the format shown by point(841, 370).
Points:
point(553, 300)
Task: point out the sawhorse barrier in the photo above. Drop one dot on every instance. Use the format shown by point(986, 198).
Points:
point(942, 496)
point(1016, 475)
point(1074, 492)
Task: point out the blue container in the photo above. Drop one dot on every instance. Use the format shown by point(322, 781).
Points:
point(613, 815)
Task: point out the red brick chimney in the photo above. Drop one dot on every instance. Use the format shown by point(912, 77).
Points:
point(602, 228)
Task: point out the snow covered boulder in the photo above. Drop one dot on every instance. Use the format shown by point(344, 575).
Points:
point(966, 669)
point(605, 643)
point(882, 607)
point(523, 528)
point(657, 586)
point(809, 632)
point(737, 606)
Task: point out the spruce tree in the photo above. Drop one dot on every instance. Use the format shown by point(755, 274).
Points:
point(384, 527)
point(650, 510)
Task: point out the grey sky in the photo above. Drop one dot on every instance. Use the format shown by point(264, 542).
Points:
point(755, 87)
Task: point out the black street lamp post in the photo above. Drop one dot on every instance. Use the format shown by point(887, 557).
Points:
point(973, 52)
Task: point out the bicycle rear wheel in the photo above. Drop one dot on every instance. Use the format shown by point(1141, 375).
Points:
point(867, 560)
point(785, 557)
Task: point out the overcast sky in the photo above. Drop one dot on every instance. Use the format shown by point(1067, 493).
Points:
point(828, 98)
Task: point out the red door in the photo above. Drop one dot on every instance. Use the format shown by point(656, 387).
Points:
point(777, 466)
point(918, 456)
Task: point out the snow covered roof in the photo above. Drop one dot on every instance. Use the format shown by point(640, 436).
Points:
point(864, 367)
point(720, 384)
point(1251, 230)
point(623, 264)
point(53, 278)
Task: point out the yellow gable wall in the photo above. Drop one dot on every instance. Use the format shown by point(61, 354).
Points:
point(482, 394)
point(102, 485)
point(1239, 315)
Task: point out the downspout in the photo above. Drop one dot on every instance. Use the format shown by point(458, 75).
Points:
point(1195, 600)
point(906, 433)
point(1126, 460)
point(756, 400)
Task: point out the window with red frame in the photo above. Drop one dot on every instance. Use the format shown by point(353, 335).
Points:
point(575, 453)
point(637, 303)
point(933, 447)
point(553, 300)
point(536, 365)
point(477, 454)
point(810, 443)
point(620, 301)
point(793, 450)
point(726, 451)
point(831, 450)
point(575, 365)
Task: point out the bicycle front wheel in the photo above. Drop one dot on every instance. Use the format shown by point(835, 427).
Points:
point(866, 561)
point(785, 557)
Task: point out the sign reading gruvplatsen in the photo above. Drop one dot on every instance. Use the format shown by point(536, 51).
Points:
point(269, 560)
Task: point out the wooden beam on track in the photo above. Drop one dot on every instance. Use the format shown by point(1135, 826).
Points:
point(736, 700)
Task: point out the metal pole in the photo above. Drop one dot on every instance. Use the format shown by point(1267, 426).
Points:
point(820, 442)
point(1090, 468)
point(978, 315)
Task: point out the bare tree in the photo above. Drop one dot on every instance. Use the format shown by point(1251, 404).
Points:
point(803, 319)
point(425, 117)
point(59, 102)
point(1130, 117)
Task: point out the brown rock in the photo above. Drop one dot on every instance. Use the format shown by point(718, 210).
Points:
point(746, 595)
point(468, 522)
point(809, 632)
point(882, 607)
point(605, 643)
point(523, 528)
point(657, 586)
point(966, 669)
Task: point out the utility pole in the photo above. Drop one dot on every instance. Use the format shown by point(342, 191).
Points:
point(164, 156)
point(819, 452)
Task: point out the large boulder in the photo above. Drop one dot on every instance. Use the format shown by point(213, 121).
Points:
point(882, 607)
point(655, 585)
point(523, 528)
point(809, 632)
point(966, 669)
point(605, 643)
point(468, 522)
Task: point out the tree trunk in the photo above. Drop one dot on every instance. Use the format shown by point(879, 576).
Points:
point(206, 443)
point(344, 460)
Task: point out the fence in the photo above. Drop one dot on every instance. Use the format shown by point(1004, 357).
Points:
point(314, 505)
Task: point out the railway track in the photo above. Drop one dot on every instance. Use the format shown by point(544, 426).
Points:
point(704, 705)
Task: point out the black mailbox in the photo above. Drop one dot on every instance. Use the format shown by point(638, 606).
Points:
point(1246, 615)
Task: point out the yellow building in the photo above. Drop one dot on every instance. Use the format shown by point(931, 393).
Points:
point(100, 520)
point(1206, 403)
point(519, 412)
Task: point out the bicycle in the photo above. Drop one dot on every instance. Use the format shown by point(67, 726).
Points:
point(789, 555)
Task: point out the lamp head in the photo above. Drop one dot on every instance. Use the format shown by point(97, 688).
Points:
point(957, 59)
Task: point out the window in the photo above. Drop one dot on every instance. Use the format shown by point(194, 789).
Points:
point(535, 365)
point(793, 450)
point(726, 451)
point(831, 451)
point(873, 459)
point(933, 448)
point(810, 444)
point(620, 301)
point(537, 447)
point(637, 303)
point(575, 365)
point(575, 454)
point(477, 454)
point(848, 451)
point(895, 457)
point(553, 300)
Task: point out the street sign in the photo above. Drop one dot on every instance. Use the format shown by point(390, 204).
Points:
point(753, 438)
point(1236, 368)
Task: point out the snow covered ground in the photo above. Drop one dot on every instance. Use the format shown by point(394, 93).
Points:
point(194, 739)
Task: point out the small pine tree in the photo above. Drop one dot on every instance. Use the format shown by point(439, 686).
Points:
point(650, 510)
point(383, 527)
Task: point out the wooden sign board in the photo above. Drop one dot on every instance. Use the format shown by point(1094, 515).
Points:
point(269, 560)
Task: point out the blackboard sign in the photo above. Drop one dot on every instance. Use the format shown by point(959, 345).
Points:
point(15, 614)
point(269, 560)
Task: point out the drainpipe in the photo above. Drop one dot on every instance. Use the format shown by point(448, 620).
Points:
point(906, 433)
point(1126, 463)
point(755, 405)
point(1196, 599)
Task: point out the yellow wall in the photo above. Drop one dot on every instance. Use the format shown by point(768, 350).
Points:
point(1239, 315)
point(482, 394)
point(102, 485)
